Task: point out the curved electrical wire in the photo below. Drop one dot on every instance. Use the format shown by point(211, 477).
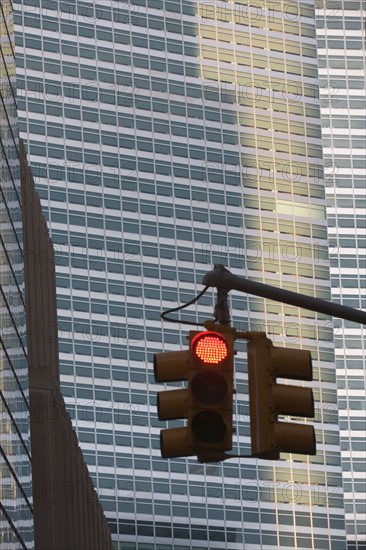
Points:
point(165, 313)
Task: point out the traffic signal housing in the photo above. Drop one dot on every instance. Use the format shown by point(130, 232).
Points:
point(207, 402)
point(211, 389)
point(268, 400)
point(173, 366)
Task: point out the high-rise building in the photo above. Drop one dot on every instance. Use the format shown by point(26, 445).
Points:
point(341, 42)
point(45, 485)
point(165, 137)
point(16, 521)
point(66, 510)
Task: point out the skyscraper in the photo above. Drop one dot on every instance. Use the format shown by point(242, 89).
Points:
point(66, 510)
point(16, 521)
point(166, 137)
point(341, 41)
point(45, 484)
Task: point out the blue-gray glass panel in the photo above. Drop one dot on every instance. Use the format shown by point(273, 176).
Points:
point(15, 504)
point(10, 161)
point(13, 407)
point(11, 218)
point(9, 538)
point(12, 286)
point(8, 126)
point(11, 341)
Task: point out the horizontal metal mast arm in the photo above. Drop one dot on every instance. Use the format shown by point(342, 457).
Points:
point(221, 277)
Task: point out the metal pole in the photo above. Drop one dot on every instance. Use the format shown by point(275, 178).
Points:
point(221, 277)
point(221, 312)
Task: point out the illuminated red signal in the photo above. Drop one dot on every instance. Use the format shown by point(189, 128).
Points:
point(210, 386)
point(210, 348)
point(207, 402)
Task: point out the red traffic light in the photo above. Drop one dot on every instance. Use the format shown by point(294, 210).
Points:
point(206, 403)
point(210, 386)
point(210, 348)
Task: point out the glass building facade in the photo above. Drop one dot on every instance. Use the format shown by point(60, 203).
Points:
point(165, 137)
point(16, 520)
point(341, 41)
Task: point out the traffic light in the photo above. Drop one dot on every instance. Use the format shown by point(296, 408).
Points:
point(211, 389)
point(173, 366)
point(208, 366)
point(267, 400)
